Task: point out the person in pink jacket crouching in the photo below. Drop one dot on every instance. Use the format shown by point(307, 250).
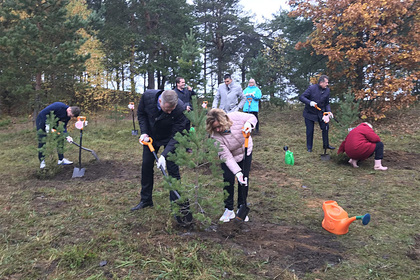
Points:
point(227, 130)
point(361, 143)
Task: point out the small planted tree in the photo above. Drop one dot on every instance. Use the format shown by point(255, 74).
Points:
point(347, 115)
point(54, 143)
point(202, 179)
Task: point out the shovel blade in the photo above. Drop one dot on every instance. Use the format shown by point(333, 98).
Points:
point(78, 172)
point(325, 157)
point(95, 155)
point(134, 132)
point(242, 213)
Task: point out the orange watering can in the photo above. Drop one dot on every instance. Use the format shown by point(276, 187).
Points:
point(336, 220)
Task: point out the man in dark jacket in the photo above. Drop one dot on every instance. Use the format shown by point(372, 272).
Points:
point(64, 113)
point(317, 96)
point(185, 94)
point(161, 116)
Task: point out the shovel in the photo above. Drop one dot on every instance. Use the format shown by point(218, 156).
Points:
point(186, 216)
point(244, 209)
point(86, 149)
point(79, 171)
point(325, 156)
point(134, 131)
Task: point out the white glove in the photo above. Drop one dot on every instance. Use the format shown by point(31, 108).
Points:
point(47, 128)
point(312, 103)
point(161, 162)
point(326, 118)
point(144, 138)
point(69, 139)
point(247, 127)
point(79, 124)
point(331, 115)
point(131, 106)
point(241, 179)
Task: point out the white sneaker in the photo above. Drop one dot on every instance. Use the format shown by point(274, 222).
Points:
point(64, 161)
point(246, 218)
point(42, 165)
point(227, 216)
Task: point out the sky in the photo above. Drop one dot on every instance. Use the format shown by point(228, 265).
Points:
point(264, 8)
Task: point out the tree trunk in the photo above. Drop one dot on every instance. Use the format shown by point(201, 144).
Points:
point(117, 78)
point(132, 80)
point(37, 104)
point(122, 77)
point(150, 79)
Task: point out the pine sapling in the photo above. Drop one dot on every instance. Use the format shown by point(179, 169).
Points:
point(54, 139)
point(202, 180)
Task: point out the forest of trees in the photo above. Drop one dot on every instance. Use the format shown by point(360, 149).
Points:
point(82, 51)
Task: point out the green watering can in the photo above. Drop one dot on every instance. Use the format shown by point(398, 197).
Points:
point(288, 158)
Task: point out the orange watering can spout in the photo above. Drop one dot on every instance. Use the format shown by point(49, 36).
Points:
point(336, 219)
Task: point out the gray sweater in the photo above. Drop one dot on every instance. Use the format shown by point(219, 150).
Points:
point(227, 98)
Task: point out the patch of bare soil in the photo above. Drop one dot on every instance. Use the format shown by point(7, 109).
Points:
point(414, 252)
point(401, 160)
point(282, 247)
point(96, 170)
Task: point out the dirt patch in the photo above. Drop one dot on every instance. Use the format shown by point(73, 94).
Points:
point(414, 252)
point(282, 247)
point(401, 160)
point(96, 170)
point(392, 159)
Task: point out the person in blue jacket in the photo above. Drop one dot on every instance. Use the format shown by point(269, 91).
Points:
point(64, 113)
point(253, 95)
point(317, 96)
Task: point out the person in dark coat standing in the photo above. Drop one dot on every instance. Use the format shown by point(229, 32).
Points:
point(64, 113)
point(185, 94)
point(317, 96)
point(361, 143)
point(161, 116)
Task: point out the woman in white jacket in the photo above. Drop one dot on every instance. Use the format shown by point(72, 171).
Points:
point(227, 130)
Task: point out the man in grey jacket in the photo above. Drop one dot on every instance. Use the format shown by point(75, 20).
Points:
point(228, 95)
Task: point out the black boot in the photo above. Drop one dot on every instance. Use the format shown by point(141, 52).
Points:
point(142, 205)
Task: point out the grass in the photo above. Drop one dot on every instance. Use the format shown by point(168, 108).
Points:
point(63, 228)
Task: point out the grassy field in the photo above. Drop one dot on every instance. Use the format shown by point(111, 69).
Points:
point(63, 228)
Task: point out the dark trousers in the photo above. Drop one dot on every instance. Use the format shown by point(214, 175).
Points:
point(41, 143)
point(310, 133)
point(257, 127)
point(379, 150)
point(229, 177)
point(147, 172)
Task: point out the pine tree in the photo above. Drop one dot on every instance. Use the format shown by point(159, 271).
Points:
point(347, 115)
point(40, 41)
point(189, 62)
point(198, 153)
point(54, 143)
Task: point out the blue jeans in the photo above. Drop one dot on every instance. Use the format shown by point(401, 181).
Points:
point(310, 133)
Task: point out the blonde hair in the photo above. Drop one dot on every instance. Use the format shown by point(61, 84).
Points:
point(221, 117)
